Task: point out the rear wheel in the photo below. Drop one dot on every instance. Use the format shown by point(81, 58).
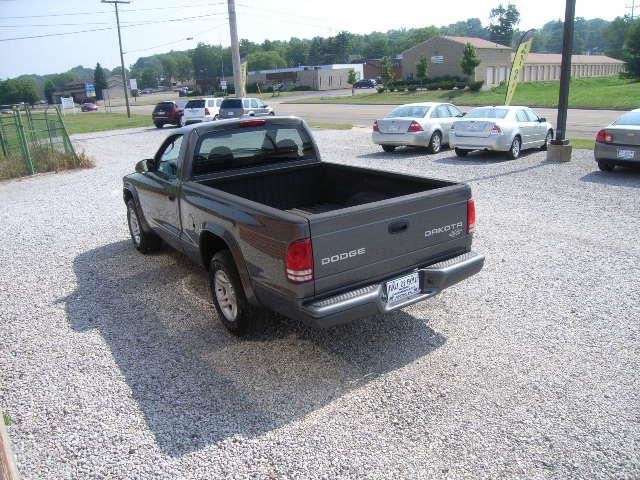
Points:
point(388, 148)
point(435, 144)
point(158, 124)
point(228, 295)
point(606, 166)
point(461, 153)
point(547, 141)
point(145, 242)
point(516, 146)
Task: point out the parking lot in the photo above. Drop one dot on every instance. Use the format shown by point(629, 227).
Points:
point(113, 364)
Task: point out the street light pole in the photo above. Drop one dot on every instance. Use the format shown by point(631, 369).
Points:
point(124, 75)
point(235, 49)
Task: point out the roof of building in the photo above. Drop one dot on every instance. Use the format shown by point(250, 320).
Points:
point(575, 59)
point(476, 42)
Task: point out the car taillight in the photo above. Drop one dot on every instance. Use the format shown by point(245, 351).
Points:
point(471, 215)
point(206, 111)
point(415, 127)
point(253, 123)
point(496, 130)
point(604, 137)
point(375, 126)
point(299, 261)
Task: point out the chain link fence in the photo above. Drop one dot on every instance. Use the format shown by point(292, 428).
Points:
point(34, 141)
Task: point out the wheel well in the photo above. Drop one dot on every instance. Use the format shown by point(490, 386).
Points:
point(127, 195)
point(210, 244)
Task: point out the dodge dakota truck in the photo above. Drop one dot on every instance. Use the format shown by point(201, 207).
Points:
point(275, 226)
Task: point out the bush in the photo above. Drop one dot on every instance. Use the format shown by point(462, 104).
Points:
point(301, 88)
point(412, 88)
point(475, 86)
point(380, 89)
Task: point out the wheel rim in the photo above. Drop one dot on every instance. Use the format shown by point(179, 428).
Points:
point(547, 140)
point(436, 142)
point(225, 295)
point(515, 148)
point(134, 225)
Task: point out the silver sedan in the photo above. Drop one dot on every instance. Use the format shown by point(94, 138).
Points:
point(504, 129)
point(425, 124)
point(619, 143)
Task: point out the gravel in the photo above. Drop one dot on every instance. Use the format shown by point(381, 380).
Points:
point(113, 364)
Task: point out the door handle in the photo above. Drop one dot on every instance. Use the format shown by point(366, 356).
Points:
point(398, 226)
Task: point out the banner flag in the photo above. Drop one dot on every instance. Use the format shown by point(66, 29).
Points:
point(520, 57)
point(243, 76)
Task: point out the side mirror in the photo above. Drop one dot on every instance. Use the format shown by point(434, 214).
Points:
point(143, 165)
point(462, 114)
point(542, 119)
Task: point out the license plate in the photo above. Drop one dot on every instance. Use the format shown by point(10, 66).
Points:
point(403, 287)
point(161, 112)
point(230, 114)
point(626, 154)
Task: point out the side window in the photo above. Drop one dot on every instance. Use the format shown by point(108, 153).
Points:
point(245, 103)
point(521, 116)
point(454, 111)
point(441, 112)
point(211, 103)
point(218, 102)
point(254, 103)
point(168, 156)
point(531, 115)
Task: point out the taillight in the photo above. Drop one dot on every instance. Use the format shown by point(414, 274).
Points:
point(415, 127)
point(253, 123)
point(471, 215)
point(299, 261)
point(375, 126)
point(206, 111)
point(496, 130)
point(604, 137)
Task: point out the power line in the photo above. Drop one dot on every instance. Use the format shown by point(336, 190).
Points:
point(176, 41)
point(55, 25)
point(632, 7)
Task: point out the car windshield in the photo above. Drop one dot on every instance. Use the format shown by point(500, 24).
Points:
point(414, 111)
point(195, 104)
point(231, 103)
point(488, 112)
point(631, 118)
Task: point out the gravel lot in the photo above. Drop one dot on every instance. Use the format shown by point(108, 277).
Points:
point(113, 364)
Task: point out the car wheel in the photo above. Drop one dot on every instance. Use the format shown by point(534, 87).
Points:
point(514, 150)
point(273, 114)
point(435, 144)
point(606, 166)
point(547, 141)
point(145, 242)
point(216, 117)
point(228, 295)
point(158, 124)
point(388, 148)
point(461, 153)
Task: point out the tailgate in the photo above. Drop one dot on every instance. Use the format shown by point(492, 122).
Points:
point(373, 241)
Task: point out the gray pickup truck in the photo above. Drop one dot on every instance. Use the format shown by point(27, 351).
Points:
point(275, 226)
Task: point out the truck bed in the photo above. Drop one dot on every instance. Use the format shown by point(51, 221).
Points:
point(322, 187)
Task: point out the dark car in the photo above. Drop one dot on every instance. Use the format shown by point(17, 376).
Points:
point(364, 84)
point(168, 113)
point(243, 107)
point(619, 143)
point(89, 107)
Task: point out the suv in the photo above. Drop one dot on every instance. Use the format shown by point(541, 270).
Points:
point(365, 84)
point(244, 107)
point(201, 110)
point(168, 113)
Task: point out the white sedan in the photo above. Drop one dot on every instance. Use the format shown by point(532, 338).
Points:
point(425, 124)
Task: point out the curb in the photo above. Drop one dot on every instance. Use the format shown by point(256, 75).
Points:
point(8, 470)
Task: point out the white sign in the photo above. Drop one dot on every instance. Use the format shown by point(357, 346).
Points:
point(437, 59)
point(67, 103)
point(223, 84)
point(133, 83)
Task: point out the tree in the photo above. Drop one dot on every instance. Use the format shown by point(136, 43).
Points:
point(422, 68)
point(16, 91)
point(614, 35)
point(632, 49)
point(352, 79)
point(470, 60)
point(503, 22)
point(265, 60)
point(99, 80)
point(387, 71)
point(49, 88)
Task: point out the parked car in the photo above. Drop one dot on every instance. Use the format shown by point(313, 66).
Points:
point(88, 107)
point(364, 84)
point(508, 129)
point(6, 109)
point(424, 124)
point(244, 107)
point(201, 110)
point(251, 200)
point(619, 143)
point(168, 113)
point(184, 92)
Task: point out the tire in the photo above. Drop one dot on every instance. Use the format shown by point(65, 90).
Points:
point(273, 114)
point(158, 124)
point(606, 166)
point(547, 141)
point(145, 242)
point(461, 153)
point(229, 300)
point(388, 148)
point(514, 150)
point(216, 117)
point(435, 143)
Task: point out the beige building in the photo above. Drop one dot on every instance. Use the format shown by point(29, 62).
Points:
point(444, 54)
point(323, 77)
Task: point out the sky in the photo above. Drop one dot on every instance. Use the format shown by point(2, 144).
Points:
point(157, 26)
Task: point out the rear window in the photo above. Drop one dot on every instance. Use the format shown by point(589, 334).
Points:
point(244, 147)
point(195, 104)
point(408, 111)
point(631, 118)
point(163, 106)
point(488, 112)
point(231, 103)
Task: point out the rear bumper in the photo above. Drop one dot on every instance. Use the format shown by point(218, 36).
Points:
point(417, 139)
point(603, 151)
point(492, 142)
point(371, 300)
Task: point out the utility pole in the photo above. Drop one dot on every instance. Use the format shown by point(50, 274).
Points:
point(632, 7)
point(235, 49)
point(124, 75)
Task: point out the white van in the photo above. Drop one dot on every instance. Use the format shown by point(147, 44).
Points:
point(201, 110)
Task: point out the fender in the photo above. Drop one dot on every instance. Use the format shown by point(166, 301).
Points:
point(227, 237)
point(131, 189)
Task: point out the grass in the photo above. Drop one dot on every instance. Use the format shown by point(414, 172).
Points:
point(99, 122)
point(330, 126)
point(6, 419)
point(44, 160)
point(602, 92)
point(582, 143)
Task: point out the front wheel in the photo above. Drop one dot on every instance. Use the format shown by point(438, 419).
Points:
point(145, 242)
point(547, 141)
point(605, 166)
point(435, 144)
point(228, 295)
point(461, 153)
point(388, 148)
point(514, 150)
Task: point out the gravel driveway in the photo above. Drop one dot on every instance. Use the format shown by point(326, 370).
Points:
point(113, 365)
